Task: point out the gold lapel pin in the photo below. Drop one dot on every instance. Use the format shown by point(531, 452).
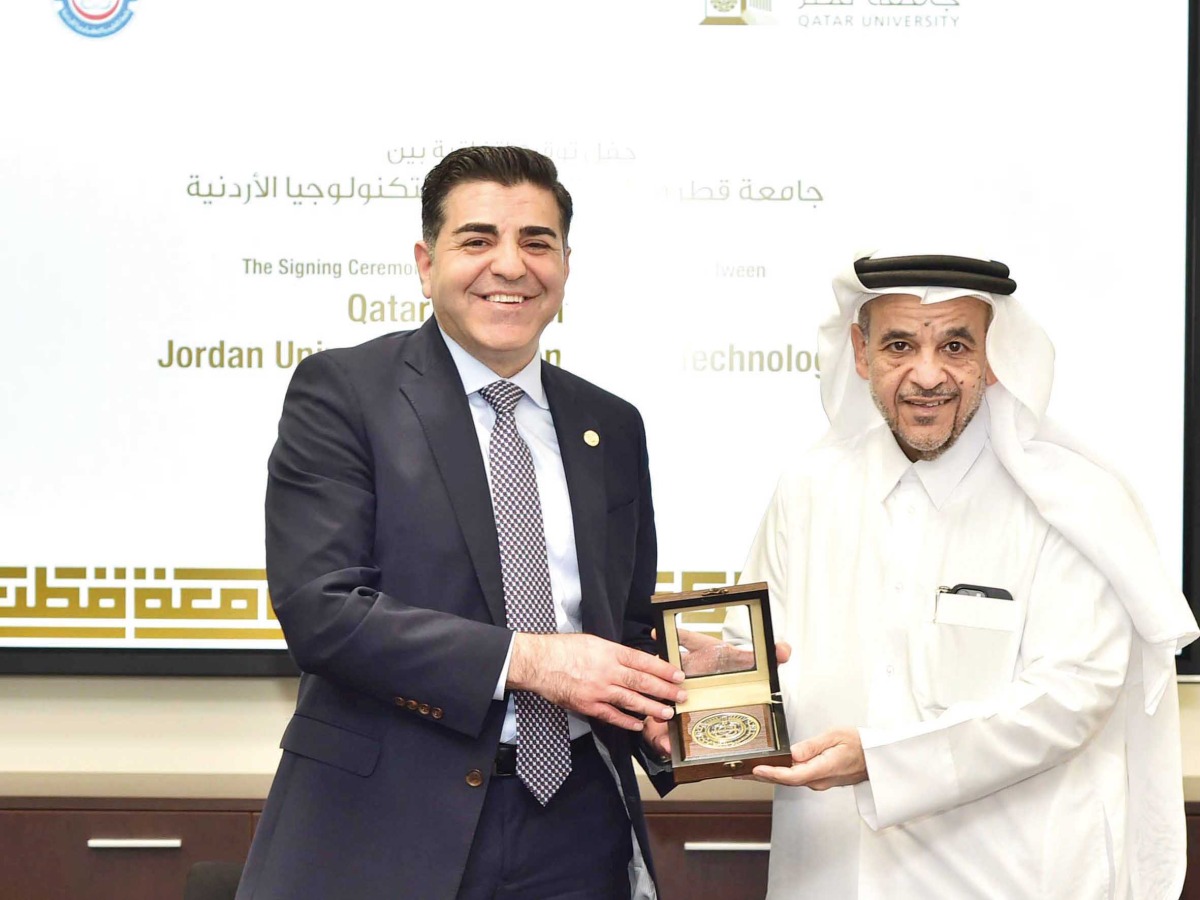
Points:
point(591, 438)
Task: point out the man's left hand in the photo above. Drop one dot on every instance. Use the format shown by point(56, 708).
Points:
point(657, 737)
point(828, 760)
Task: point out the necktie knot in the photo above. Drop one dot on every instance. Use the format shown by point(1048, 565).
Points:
point(502, 395)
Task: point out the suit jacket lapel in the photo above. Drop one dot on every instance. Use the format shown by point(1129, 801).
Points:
point(583, 466)
point(430, 381)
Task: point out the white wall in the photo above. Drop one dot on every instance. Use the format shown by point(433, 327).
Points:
point(207, 737)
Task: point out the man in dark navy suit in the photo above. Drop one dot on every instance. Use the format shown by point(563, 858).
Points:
point(461, 552)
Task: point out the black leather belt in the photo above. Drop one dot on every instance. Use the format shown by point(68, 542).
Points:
point(506, 756)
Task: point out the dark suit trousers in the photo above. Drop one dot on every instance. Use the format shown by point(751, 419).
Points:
point(577, 847)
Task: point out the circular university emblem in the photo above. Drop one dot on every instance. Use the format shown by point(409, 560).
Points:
point(725, 730)
point(95, 18)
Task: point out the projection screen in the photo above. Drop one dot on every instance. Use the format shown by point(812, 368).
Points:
point(195, 197)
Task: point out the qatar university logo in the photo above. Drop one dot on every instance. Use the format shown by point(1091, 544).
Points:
point(95, 18)
point(735, 12)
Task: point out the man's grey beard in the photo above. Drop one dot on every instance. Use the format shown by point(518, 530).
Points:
point(927, 450)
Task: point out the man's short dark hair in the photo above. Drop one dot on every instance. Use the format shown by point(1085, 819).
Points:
point(508, 166)
point(864, 318)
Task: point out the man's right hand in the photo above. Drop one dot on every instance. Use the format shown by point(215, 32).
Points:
point(595, 677)
point(708, 655)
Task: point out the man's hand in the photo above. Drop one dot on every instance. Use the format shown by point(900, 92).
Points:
point(828, 760)
point(708, 655)
point(657, 736)
point(595, 677)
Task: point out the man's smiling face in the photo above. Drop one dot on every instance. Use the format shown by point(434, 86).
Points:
point(497, 271)
point(927, 367)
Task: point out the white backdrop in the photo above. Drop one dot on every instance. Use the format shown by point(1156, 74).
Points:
point(721, 175)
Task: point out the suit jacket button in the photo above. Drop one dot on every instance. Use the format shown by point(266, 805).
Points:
point(399, 701)
point(411, 704)
point(424, 709)
point(474, 778)
point(437, 712)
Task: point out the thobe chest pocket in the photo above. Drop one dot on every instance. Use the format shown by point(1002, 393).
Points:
point(966, 653)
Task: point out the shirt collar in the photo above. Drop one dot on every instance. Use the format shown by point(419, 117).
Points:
point(938, 476)
point(476, 375)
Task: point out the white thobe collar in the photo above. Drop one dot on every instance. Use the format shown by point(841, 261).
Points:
point(476, 375)
point(938, 476)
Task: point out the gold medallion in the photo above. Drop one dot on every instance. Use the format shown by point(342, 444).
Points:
point(725, 730)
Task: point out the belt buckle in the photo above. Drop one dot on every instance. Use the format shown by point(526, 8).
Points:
point(505, 763)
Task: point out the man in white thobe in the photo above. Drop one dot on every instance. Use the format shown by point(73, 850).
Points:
point(983, 634)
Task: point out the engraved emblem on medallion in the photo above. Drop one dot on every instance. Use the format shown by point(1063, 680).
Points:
point(725, 730)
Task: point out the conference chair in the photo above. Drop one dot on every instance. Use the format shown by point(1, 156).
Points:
point(212, 881)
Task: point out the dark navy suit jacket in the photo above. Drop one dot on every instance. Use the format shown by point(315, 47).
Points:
point(384, 571)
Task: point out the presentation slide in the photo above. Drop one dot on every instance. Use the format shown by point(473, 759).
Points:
point(194, 197)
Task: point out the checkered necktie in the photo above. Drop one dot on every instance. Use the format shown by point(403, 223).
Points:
point(543, 741)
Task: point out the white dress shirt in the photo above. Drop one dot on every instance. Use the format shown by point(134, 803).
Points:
point(535, 424)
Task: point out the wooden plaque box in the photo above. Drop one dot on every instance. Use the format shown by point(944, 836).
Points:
point(733, 718)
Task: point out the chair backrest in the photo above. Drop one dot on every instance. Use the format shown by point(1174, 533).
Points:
point(212, 881)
